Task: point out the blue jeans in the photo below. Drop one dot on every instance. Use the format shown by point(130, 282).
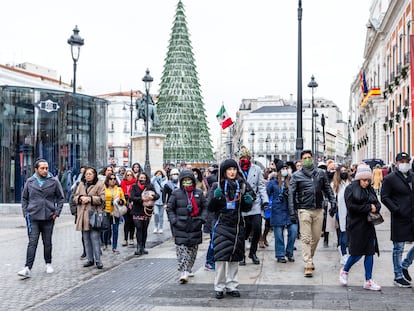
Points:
point(210, 252)
point(343, 241)
point(158, 216)
point(44, 227)
point(408, 259)
point(92, 240)
point(280, 250)
point(368, 264)
point(397, 252)
point(115, 227)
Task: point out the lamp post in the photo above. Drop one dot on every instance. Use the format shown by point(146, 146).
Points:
point(274, 156)
point(147, 82)
point(75, 42)
point(267, 147)
point(131, 110)
point(323, 135)
point(312, 84)
point(299, 137)
point(252, 134)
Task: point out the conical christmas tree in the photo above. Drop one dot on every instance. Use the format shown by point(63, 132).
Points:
point(180, 105)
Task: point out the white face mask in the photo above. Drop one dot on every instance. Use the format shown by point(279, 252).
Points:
point(404, 167)
point(289, 170)
point(284, 173)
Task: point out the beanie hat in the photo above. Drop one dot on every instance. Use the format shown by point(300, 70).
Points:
point(174, 171)
point(244, 153)
point(279, 165)
point(227, 164)
point(363, 172)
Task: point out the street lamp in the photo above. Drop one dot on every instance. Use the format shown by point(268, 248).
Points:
point(131, 110)
point(299, 137)
point(75, 42)
point(312, 84)
point(267, 146)
point(323, 134)
point(252, 134)
point(147, 82)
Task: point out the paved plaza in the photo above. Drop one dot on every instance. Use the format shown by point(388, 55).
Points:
point(150, 282)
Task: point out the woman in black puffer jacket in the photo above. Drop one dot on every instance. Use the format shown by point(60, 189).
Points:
point(228, 199)
point(187, 211)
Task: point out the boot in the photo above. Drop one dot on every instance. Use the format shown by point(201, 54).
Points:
point(254, 258)
point(139, 251)
point(326, 239)
point(266, 231)
point(243, 261)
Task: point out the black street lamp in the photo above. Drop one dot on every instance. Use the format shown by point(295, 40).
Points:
point(147, 82)
point(267, 147)
point(75, 42)
point(252, 134)
point(131, 110)
point(312, 84)
point(299, 137)
point(323, 134)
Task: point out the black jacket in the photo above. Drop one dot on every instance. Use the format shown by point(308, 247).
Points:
point(229, 229)
point(362, 237)
point(136, 198)
point(398, 197)
point(307, 189)
point(187, 229)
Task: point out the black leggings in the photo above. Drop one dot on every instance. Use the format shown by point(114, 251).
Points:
point(129, 227)
point(142, 230)
point(254, 226)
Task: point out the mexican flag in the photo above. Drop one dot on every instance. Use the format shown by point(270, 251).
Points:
point(223, 118)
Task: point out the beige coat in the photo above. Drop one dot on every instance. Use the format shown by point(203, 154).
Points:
point(97, 193)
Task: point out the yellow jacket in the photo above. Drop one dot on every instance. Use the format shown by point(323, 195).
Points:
point(110, 195)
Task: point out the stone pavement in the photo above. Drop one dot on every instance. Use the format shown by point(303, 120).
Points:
point(150, 282)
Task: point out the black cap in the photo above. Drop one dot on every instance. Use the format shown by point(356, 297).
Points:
point(402, 156)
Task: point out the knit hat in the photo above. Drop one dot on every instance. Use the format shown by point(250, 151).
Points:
point(174, 171)
point(227, 164)
point(244, 153)
point(363, 172)
point(279, 164)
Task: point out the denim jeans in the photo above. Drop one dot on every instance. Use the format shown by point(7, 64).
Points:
point(158, 216)
point(397, 252)
point(409, 258)
point(343, 241)
point(44, 227)
point(92, 240)
point(210, 252)
point(115, 230)
point(280, 250)
point(368, 264)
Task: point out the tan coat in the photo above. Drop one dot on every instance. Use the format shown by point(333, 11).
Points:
point(376, 178)
point(97, 193)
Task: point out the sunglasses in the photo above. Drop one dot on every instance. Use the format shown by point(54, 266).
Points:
point(112, 178)
point(129, 174)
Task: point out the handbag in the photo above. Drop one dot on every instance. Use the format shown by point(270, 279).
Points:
point(375, 218)
point(98, 220)
point(119, 210)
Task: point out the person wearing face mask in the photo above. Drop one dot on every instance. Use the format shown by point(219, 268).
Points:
point(340, 181)
point(158, 181)
point(397, 195)
point(187, 211)
point(141, 212)
point(277, 190)
point(307, 188)
point(253, 218)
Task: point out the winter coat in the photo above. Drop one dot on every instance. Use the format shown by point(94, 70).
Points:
point(307, 188)
point(42, 202)
point(397, 196)
point(376, 178)
point(137, 202)
point(110, 195)
point(280, 215)
point(97, 194)
point(187, 229)
point(362, 237)
point(342, 211)
point(229, 229)
point(257, 183)
point(158, 186)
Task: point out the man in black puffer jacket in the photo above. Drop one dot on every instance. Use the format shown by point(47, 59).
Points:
point(306, 189)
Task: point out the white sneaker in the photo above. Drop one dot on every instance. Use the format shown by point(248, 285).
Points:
point(183, 277)
point(160, 231)
point(131, 242)
point(25, 272)
point(344, 259)
point(190, 274)
point(343, 277)
point(155, 230)
point(371, 285)
point(49, 268)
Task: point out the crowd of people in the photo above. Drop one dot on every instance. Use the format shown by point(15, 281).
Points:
point(233, 202)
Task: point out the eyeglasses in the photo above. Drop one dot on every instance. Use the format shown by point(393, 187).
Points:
point(112, 178)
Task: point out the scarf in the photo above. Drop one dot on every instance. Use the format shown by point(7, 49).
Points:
point(191, 199)
point(245, 164)
point(140, 186)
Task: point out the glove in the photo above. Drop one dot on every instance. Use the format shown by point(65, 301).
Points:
point(293, 219)
point(218, 193)
point(264, 206)
point(248, 199)
point(332, 211)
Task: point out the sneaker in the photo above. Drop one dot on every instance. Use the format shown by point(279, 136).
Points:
point(406, 275)
point(371, 285)
point(160, 231)
point(308, 272)
point(343, 277)
point(25, 272)
point(344, 259)
point(124, 243)
point(209, 267)
point(190, 274)
point(402, 283)
point(183, 277)
point(155, 230)
point(49, 268)
point(131, 242)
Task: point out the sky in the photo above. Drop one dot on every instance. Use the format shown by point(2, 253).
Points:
point(242, 48)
